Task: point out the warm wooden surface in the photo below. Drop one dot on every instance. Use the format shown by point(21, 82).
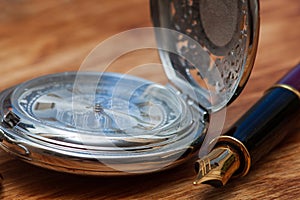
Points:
point(42, 37)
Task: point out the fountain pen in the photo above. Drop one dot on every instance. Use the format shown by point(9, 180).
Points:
point(259, 130)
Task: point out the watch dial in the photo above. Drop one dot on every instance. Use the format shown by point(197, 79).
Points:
point(100, 123)
point(100, 103)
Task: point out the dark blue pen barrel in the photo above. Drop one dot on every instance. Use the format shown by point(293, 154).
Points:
point(267, 122)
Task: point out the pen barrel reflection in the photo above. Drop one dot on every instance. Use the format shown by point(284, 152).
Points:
point(267, 122)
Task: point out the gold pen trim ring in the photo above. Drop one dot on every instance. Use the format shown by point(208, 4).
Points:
point(288, 87)
point(242, 148)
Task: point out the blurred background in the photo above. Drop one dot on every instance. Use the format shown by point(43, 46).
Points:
point(43, 37)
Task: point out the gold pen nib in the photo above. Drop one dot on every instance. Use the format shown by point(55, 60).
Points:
point(217, 167)
point(202, 167)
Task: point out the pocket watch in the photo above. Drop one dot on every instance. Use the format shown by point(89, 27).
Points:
point(126, 124)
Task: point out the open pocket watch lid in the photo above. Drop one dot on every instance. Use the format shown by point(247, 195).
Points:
point(215, 46)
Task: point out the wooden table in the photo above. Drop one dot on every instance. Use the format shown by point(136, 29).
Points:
point(43, 37)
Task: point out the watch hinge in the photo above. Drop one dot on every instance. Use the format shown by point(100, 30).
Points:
point(11, 119)
point(204, 114)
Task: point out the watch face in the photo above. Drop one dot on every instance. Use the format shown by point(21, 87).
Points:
point(106, 104)
point(99, 124)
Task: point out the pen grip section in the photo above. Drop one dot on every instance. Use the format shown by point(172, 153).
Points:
point(267, 122)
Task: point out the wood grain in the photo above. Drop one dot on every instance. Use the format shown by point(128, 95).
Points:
point(43, 37)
